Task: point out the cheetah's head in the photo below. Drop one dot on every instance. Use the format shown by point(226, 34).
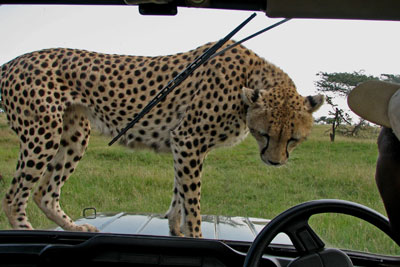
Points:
point(279, 120)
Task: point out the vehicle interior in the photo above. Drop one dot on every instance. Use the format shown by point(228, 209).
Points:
point(50, 248)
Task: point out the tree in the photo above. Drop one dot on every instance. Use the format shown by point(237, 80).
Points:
point(390, 78)
point(340, 84)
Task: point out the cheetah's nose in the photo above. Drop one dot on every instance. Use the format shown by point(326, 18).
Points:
point(273, 163)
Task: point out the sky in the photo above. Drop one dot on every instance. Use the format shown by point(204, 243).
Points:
point(301, 47)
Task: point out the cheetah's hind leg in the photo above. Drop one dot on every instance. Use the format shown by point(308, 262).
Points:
point(73, 143)
point(37, 147)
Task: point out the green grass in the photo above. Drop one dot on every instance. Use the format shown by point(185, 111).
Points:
point(235, 183)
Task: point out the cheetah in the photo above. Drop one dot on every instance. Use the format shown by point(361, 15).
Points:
point(53, 97)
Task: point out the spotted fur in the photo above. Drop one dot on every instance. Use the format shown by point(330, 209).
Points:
point(52, 98)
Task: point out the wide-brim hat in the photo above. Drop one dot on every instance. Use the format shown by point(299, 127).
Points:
point(377, 102)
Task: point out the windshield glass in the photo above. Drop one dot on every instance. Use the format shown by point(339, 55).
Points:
point(351, 233)
point(235, 182)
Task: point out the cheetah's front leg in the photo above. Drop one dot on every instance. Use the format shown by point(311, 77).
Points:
point(188, 161)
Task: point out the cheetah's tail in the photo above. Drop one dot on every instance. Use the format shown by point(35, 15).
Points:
point(2, 74)
point(3, 69)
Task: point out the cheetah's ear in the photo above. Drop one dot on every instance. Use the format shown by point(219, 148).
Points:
point(313, 103)
point(250, 96)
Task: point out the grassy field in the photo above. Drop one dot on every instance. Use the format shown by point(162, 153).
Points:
point(235, 183)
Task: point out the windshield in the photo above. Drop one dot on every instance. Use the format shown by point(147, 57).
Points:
point(235, 182)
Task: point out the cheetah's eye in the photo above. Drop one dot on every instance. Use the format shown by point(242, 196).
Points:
point(292, 141)
point(254, 131)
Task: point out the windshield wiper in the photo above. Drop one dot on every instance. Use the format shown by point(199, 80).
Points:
point(210, 53)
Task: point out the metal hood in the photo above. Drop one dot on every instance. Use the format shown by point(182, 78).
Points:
point(242, 229)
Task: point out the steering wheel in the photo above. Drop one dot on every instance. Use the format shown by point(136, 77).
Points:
point(294, 222)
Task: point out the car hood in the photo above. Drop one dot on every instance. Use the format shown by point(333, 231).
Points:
point(219, 227)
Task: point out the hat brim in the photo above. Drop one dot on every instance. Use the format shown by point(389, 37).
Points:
point(370, 100)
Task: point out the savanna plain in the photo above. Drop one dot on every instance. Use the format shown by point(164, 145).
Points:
point(235, 183)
